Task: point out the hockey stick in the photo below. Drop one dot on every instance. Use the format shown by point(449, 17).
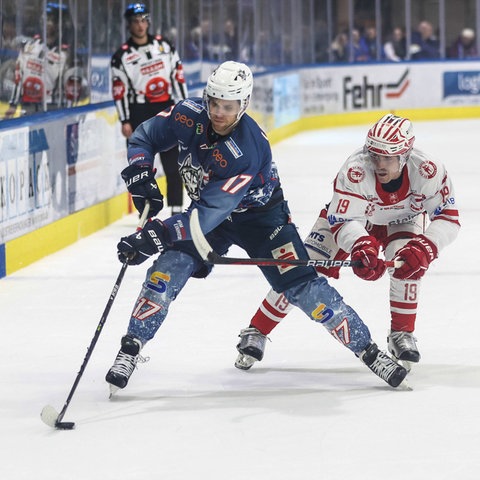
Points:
point(49, 415)
point(206, 251)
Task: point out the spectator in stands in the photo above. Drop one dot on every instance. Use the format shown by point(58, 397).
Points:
point(208, 42)
point(9, 40)
point(193, 44)
point(359, 48)
point(465, 46)
point(10, 44)
point(231, 40)
point(425, 45)
point(369, 39)
point(395, 49)
point(339, 48)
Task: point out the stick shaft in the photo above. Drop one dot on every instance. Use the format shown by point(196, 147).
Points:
point(102, 321)
point(206, 251)
point(277, 262)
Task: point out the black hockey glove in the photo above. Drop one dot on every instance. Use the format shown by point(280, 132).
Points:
point(142, 186)
point(151, 239)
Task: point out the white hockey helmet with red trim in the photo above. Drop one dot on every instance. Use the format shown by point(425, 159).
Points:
point(391, 136)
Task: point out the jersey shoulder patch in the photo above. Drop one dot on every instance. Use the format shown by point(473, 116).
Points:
point(427, 169)
point(193, 105)
point(355, 173)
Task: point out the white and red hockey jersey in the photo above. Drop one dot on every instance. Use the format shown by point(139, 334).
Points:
point(151, 73)
point(39, 73)
point(359, 198)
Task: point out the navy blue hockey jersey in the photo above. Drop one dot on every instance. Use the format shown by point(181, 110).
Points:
point(222, 174)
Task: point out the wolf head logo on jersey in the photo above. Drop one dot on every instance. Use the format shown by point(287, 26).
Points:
point(193, 177)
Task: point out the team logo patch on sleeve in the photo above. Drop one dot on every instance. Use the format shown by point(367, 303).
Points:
point(356, 174)
point(427, 169)
point(192, 105)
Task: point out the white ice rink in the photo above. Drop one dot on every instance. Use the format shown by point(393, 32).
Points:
point(309, 411)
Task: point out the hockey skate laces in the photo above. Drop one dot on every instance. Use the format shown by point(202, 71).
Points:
point(125, 365)
point(383, 367)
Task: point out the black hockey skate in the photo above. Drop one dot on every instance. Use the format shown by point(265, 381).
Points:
point(383, 366)
point(124, 364)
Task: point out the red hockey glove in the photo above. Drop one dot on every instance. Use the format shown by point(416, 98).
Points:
point(417, 255)
point(365, 250)
point(137, 247)
point(142, 186)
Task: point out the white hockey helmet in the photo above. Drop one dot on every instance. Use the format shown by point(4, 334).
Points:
point(391, 136)
point(230, 81)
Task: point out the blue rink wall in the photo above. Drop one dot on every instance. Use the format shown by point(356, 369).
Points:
point(59, 172)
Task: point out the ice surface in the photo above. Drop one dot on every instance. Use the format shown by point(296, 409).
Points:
point(309, 410)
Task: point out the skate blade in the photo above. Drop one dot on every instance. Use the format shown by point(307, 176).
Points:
point(113, 390)
point(405, 385)
point(405, 363)
point(244, 362)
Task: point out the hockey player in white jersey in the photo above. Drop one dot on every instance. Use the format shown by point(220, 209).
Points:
point(41, 68)
point(147, 78)
point(388, 196)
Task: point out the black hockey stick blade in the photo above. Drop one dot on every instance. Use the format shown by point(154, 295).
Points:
point(209, 255)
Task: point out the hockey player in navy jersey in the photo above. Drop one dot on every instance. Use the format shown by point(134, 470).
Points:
point(226, 163)
point(389, 196)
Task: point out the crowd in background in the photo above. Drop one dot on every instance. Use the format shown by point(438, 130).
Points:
point(295, 32)
point(360, 45)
